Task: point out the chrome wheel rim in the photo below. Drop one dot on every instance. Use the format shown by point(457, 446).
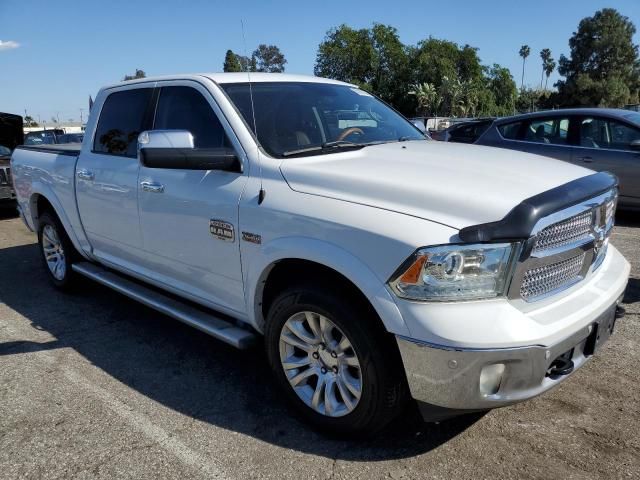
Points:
point(321, 364)
point(53, 252)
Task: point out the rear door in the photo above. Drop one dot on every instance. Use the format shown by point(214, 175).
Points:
point(548, 136)
point(604, 144)
point(179, 218)
point(107, 177)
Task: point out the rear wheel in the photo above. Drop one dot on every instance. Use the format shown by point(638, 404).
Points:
point(56, 249)
point(335, 363)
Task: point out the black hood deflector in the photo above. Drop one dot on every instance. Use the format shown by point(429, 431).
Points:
point(519, 222)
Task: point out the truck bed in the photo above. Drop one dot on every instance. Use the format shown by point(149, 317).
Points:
point(61, 149)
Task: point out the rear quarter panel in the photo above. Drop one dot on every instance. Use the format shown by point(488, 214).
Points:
point(51, 175)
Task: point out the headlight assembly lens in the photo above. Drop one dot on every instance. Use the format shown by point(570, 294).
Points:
point(456, 272)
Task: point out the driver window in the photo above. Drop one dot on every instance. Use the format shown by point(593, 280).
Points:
point(184, 108)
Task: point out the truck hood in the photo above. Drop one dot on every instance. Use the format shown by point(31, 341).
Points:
point(452, 184)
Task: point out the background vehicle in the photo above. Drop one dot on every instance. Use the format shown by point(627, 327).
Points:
point(11, 135)
point(52, 137)
point(70, 138)
point(465, 132)
point(375, 263)
point(597, 138)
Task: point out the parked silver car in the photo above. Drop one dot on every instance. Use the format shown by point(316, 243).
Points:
point(597, 138)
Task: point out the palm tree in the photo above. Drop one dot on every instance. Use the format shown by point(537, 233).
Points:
point(548, 70)
point(545, 55)
point(524, 53)
point(427, 97)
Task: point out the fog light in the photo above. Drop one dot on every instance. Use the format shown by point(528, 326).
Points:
point(490, 378)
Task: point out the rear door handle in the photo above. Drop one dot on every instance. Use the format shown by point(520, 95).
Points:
point(152, 187)
point(85, 175)
point(586, 159)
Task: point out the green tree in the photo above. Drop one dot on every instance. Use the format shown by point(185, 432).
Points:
point(268, 58)
point(247, 64)
point(501, 84)
point(525, 51)
point(390, 65)
point(427, 96)
point(29, 121)
point(603, 68)
point(231, 62)
point(407, 76)
point(549, 67)
point(374, 59)
point(346, 54)
point(139, 74)
point(545, 55)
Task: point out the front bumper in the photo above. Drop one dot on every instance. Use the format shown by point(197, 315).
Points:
point(447, 381)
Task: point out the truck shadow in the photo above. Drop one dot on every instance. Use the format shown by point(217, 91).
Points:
point(184, 369)
point(8, 211)
point(628, 218)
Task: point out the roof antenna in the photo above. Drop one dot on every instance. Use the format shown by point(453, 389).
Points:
point(262, 193)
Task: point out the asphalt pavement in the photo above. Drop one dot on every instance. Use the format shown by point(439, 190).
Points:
point(94, 385)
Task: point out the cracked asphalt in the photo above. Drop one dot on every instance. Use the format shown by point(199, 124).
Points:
point(93, 385)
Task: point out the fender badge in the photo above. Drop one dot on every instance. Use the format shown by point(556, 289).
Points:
point(221, 230)
point(252, 238)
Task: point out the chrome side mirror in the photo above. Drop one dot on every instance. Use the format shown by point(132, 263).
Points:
point(165, 139)
point(174, 149)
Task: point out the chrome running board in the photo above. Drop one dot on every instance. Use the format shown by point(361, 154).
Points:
point(204, 321)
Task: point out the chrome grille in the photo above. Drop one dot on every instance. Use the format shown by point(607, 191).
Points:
point(565, 232)
point(543, 280)
point(3, 177)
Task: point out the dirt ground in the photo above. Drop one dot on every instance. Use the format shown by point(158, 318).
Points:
point(93, 385)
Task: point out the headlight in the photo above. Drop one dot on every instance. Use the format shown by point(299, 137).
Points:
point(456, 272)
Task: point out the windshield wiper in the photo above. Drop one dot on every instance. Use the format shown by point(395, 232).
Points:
point(337, 144)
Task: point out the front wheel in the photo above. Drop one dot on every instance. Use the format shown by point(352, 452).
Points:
point(56, 250)
point(335, 363)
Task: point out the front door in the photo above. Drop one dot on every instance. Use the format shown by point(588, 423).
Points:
point(184, 212)
point(107, 179)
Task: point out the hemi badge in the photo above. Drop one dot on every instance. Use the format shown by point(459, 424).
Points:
point(251, 238)
point(221, 230)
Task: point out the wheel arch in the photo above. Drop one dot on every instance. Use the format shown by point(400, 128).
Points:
point(287, 257)
point(41, 201)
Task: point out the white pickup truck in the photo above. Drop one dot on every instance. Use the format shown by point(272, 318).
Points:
point(377, 265)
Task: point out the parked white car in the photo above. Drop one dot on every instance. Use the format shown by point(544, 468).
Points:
point(375, 265)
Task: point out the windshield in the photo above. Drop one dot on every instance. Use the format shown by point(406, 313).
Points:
point(4, 151)
point(296, 118)
point(633, 117)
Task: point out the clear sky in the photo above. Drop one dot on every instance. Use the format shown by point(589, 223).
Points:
point(55, 53)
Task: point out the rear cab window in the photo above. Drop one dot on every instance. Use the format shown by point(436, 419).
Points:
point(121, 121)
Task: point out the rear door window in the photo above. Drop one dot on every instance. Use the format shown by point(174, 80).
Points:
point(548, 130)
point(121, 121)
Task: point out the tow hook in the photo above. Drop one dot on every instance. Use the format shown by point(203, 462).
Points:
point(563, 365)
point(620, 311)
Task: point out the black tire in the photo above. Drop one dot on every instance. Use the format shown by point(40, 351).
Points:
point(384, 386)
point(67, 280)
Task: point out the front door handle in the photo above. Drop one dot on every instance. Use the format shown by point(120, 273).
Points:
point(85, 175)
point(152, 187)
point(586, 159)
